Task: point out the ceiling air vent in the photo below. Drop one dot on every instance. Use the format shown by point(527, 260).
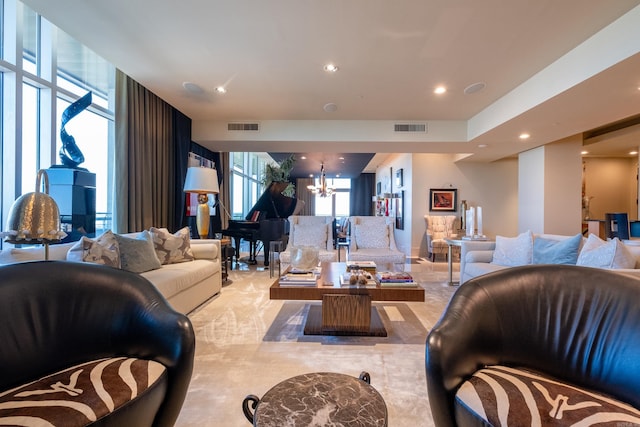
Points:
point(410, 127)
point(254, 127)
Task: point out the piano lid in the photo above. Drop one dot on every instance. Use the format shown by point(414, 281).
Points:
point(274, 203)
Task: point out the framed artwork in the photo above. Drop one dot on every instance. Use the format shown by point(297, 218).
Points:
point(443, 199)
point(399, 182)
point(378, 188)
point(400, 211)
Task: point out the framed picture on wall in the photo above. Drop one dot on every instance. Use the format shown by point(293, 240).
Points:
point(443, 199)
point(378, 188)
point(400, 211)
point(399, 180)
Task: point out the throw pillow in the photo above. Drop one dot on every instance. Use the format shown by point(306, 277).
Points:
point(137, 255)
point(605, 254)
point(367, 238)
point(310, 235)
point(514, 251)
point(103, 250)
point(547, 251)
point(172, 248)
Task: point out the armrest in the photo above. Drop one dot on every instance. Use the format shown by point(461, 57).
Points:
point(206, 248)
point(472, 246)
point(479, 256)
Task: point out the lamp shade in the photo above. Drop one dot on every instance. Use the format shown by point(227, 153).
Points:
point(201, 180)
point(34, 217)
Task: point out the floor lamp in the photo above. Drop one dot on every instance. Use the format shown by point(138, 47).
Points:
point(203, 181)
point(35, 218)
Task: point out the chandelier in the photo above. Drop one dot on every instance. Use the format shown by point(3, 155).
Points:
point(322, 190)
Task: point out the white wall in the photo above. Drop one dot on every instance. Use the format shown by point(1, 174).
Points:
point(490, 185)
point(550, 188)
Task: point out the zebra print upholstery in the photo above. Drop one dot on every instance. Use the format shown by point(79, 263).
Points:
point(575, 326)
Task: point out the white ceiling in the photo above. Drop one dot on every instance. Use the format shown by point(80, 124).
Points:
point(552, 68)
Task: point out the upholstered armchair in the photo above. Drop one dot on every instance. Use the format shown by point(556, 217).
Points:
point(538, 345)
point(438, 228)
point(372, 239)
point(84, 344)
point(313, 231)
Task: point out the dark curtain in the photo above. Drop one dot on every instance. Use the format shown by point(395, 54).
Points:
point(182, 137)
point(145, 169)
point(303, 193)
point(363, 189)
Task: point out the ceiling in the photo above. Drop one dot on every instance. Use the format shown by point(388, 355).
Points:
point(550, 68)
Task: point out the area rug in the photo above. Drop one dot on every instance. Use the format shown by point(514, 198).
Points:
point(247, 343)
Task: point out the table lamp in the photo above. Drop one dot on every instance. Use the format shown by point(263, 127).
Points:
point(35, 218)
point(203, 181)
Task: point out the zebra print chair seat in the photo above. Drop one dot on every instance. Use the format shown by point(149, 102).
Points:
point(89, 344)
point(546, 345)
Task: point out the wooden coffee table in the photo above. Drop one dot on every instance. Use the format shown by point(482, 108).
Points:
point(345, 310)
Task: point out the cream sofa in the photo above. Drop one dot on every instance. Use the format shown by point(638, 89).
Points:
point(185, 285)
point(476, 257)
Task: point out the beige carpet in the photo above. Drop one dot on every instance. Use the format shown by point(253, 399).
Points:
point(246, 344)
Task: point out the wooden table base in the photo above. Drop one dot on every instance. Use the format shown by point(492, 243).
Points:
point(313, 325)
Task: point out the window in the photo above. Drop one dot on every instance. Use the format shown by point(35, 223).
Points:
point(338, 204)
point(36, 90)
point(246, 181)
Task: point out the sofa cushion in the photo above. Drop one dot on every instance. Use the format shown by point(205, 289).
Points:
point(172, 248)
point(500, 395)
point(605, 254)
point(81, 394)
point(102, 250)
point(549, 251)
point(366, 238)
point(137, 255)
point(514, 251)
point(171, 279)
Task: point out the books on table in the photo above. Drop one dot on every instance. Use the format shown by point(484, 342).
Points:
point(299, 279)
point(369, 266)
point(396, 278)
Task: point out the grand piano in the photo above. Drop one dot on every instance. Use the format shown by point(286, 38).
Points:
point(266, 221)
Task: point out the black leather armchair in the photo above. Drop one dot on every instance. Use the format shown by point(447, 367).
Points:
point(577, 325)
point(56, 314)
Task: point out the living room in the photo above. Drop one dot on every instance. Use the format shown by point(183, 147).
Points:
point(569, 73)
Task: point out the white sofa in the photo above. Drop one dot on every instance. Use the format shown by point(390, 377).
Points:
point(476, 257)
point(185, 285)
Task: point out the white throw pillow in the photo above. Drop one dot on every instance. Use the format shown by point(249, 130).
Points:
point(310, 235)
point(514, 251)
point(103, 250)
point(605, 254)
point(368, 238)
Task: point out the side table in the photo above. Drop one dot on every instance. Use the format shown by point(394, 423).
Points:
point(225, 249)
point(322, 397)
point(275, 247)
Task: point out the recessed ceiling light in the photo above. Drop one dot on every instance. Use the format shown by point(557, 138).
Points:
point(584, 152)
point(483, 145)
point(341, 158)
point(440, 90)
point(633, 153)
point(331, 68)
point(524, 136)
point(303, 157)
point(221, 89)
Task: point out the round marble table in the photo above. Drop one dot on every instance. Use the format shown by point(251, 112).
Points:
point(319, 399)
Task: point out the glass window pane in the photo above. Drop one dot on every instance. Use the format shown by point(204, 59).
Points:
point(236, 209)
point(80, 70)
point(324, 205)
point(238, 161)
point(30, 101)
point(30, 40)
point(342, 203)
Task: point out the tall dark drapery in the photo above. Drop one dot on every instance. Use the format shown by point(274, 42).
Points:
point(182, 138)
point(303, 193)
point(362, 191)
point(145, 168)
